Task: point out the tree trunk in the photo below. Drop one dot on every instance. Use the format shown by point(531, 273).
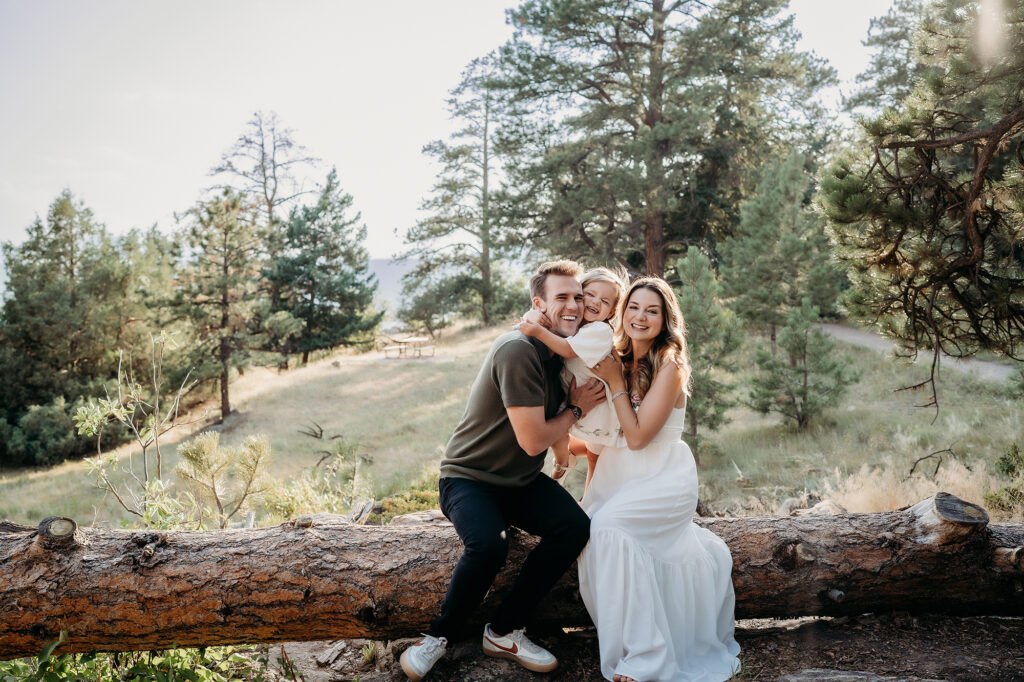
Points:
point(320, 578)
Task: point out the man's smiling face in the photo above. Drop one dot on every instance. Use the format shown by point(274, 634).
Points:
point(563, 303)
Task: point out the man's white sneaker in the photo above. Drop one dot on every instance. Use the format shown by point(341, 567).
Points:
point(517, 646)
point(418, 659)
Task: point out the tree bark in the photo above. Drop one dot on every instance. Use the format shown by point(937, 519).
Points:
point(320, 578)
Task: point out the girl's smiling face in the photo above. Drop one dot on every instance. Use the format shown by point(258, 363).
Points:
point(599, 299)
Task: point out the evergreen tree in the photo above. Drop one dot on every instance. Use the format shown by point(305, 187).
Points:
point(62, 318)
point(894, 67)
point(323, 273)
point(780, 253)
point(927, 215)
point(460, 238)
point(429, 303)
point(218, 291)
point(650, 113)
point(712, 337)
point(263, 163)
point(810, 378)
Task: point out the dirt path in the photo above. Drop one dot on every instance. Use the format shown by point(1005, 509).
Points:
point(990, 371)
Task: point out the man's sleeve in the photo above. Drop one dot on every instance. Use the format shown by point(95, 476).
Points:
point(518, 374)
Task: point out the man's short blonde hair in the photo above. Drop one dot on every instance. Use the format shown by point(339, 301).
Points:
point(538, 283)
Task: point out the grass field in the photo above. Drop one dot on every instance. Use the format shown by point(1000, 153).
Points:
point(400, 413)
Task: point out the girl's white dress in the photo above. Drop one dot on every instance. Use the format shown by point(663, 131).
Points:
point(591, 344)
point(658, 587)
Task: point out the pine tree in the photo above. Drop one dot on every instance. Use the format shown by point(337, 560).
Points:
point(323, 273)
point(62, 319)
point(809, 378)
point(460, 238)
point(894, 67)
point(650, 113)
point(263, 164)
point(219, 289)
point(927, 213)
point(712, 337)
point(779, 253)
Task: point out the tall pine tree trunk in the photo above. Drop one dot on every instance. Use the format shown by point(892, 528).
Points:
point(654, 229)
point(486, 291)
point(225, 404)
point(224, 351)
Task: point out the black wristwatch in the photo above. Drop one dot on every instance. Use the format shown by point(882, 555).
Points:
point(576, 412)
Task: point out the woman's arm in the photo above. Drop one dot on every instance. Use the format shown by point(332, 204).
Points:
point(531, 326)
point(642, 426)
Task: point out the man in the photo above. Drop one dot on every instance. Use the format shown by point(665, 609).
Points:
point(491, 479)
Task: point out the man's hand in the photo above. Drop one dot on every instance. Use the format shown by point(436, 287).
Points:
point(587, 396)
point(533, 321)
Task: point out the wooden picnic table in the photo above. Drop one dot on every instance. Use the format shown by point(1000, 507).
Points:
point(409, 347)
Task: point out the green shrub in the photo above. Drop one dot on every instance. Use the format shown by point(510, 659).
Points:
point(45, 435)
point(332, 488)
point(419, 496)
point(1011, 463)
point(1011, 498)
point(1007, 499)
point(405, 503)
point(212, 664)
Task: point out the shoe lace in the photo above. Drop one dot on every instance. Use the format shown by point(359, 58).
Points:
point(431, 644)
point(520, 638)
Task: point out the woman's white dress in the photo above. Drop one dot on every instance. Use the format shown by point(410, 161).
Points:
point(658, 587)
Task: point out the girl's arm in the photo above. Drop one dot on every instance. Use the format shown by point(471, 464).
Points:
point(642, 426)
point(531, 326)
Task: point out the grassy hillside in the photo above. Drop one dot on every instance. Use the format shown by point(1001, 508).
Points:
point(400, 413)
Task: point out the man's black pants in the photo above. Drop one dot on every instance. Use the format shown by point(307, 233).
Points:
point(481, 513)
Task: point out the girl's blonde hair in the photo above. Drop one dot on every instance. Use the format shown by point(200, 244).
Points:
point(617, 278)
point(669, 345)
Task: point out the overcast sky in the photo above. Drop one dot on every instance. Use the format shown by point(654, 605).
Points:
point(129, 104)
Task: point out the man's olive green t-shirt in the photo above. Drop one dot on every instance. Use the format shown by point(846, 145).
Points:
point(519, 371)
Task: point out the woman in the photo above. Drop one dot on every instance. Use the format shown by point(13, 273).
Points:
point(657, 586)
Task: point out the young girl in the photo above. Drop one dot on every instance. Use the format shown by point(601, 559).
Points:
point(600, 427)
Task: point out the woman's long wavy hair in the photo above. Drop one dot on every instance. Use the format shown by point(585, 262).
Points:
point(668, 346)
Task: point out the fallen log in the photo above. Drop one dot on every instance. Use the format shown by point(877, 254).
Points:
point(320, 578)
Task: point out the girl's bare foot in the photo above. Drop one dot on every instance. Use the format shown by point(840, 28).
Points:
point(622, 678)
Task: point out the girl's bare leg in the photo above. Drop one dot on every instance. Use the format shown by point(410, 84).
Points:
point(561, 450)
point(579, 447)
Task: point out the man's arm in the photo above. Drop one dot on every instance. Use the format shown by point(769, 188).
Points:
point(535, 323)
point(536, 434)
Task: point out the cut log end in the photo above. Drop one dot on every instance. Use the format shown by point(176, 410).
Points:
point(946, 519)
point(57, 532)
point(952, 509)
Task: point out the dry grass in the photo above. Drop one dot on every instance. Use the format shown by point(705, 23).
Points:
point(863, 450)
point(887, 487)
point(401, 413)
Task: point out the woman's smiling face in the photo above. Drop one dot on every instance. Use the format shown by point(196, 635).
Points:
point(644, 316)
point(599, 299)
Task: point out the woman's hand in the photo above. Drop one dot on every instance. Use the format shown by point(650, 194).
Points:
point(609, 370)
point(533, 321)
